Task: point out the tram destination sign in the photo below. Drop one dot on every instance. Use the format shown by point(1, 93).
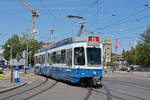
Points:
point(92, 40)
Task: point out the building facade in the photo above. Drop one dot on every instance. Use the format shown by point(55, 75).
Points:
point(107, 50)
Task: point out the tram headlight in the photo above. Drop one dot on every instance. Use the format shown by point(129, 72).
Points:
point(94, 73)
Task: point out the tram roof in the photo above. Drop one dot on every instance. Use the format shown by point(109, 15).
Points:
point(71, 40)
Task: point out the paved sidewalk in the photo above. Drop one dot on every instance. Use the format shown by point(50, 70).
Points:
point(5, 82)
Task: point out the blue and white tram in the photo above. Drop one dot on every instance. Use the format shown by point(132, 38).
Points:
point(77, 60)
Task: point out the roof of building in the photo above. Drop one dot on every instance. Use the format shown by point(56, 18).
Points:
point(106, 41)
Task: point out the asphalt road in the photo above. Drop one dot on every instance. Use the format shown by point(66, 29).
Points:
point(115, 87)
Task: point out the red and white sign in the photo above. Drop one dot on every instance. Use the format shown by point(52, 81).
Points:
point(93, 39)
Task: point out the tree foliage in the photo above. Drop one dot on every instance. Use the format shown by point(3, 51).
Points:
point(141, 54)
point(15, 44)
point(19, 45)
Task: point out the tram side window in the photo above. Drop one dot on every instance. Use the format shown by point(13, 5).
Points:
point(58, 57)
point(54, 57)
point(36, 59)
point(69, 57)
point(39, 59)
point(42, 59)
point(79, 56)
point(50, 57)
point(63, 57)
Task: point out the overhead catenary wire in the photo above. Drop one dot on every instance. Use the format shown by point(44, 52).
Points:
point(120, 21)
point(66, 22)
point(119, 38)
point(97, 14)
point(97, 8)
point(49, 12)
point(84, 10)
point(95, 2)
point(143, 17)
point(129, 29)
point(62, 25)
point(126, 30)
point(123, 19)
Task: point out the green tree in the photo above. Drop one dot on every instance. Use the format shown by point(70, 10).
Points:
point(20, 44)
point(130, 56)
point(111, 64)
point(141, 54)
point(143, 49)
point(13, 42)
point(31, 45)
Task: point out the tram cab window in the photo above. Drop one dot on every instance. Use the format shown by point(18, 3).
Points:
point(93, 56)
point(79, 56)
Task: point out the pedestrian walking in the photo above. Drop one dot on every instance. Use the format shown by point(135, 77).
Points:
point(128, 69)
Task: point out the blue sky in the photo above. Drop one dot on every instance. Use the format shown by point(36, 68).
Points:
point(131, 19)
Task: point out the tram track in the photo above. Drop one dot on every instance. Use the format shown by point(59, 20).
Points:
point(31, 92)
point(129, 95)
point(108, 93)
point(109, 96)
point(88, 94)
point(41, 91)
point(130, 84)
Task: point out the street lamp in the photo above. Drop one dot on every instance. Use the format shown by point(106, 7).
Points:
point(30, 57)
point(10, 46)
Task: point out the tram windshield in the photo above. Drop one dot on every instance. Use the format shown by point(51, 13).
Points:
point(93, 56)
